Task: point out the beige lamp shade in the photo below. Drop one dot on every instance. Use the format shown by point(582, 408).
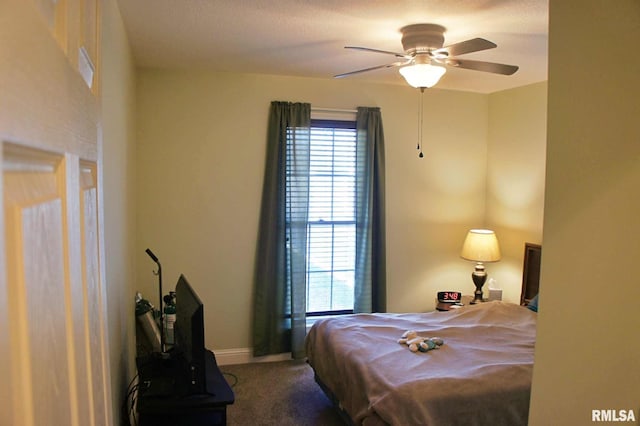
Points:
point(481, 245)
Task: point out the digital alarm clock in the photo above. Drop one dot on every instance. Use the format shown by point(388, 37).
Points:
point(448, 300)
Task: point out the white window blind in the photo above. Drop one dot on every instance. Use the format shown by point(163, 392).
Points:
point(331, 228)
point(331, 220)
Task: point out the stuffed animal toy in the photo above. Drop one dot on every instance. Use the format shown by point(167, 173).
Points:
point(419, 343)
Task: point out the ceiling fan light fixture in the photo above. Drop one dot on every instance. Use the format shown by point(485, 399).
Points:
point(422, 75)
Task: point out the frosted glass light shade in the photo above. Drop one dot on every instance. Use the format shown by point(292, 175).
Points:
point(422, 75)
point(481, 245)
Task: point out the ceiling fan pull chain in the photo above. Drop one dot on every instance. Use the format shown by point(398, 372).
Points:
point(421, 121)
point(419, 124)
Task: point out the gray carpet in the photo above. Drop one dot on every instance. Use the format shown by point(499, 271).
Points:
point(277, 393)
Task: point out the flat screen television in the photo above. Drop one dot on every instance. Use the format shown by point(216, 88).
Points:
point(189, 334)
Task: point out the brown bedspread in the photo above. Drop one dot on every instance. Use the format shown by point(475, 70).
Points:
point(480, 376)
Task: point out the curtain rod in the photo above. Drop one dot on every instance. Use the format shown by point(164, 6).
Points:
point(349, 111)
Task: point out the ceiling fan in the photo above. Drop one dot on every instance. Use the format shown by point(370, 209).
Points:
point(424, 56)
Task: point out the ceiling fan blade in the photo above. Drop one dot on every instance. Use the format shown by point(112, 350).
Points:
point(483, 66)
point(386, 52)
point(464, 47)
point(394, 64)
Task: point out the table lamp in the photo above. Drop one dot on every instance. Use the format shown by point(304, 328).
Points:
point(480, 246)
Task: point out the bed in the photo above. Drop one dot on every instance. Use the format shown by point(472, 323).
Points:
point(481, 375)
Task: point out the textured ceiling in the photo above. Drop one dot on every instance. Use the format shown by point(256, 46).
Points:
point(307, 37)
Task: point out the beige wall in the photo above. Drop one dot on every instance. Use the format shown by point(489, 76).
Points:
point(118, 148)
point(515, 178)
point(200, 160)
point(588, 344)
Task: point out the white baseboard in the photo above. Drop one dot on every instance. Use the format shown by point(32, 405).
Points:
point(245, 356)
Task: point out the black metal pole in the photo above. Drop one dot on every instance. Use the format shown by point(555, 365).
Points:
point(161, 312)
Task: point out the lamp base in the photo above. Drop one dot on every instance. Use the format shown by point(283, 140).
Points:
point(477, 297)
point(479, 276)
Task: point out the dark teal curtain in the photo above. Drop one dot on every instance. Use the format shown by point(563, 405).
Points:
point(370, 283)
point(279, 322)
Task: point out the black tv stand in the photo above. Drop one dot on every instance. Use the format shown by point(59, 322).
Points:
point(162, 399)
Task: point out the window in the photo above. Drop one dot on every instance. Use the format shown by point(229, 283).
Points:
point(331, 222)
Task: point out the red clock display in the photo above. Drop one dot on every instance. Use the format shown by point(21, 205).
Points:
point(449, 296)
